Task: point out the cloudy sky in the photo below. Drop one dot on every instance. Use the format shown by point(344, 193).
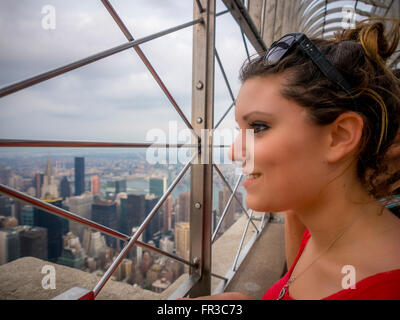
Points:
point(114, 99)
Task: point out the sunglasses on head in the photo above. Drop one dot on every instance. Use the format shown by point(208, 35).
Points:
point(281, 47)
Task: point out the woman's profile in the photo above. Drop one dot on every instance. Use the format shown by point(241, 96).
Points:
point(325, 115)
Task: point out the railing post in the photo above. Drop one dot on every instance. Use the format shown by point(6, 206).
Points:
point(201, 182)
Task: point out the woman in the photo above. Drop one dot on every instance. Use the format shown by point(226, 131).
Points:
point(325, 114)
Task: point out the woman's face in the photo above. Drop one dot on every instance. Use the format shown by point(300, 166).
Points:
point(288, 155)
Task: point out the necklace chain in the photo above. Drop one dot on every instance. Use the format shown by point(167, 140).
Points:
point(293, 278)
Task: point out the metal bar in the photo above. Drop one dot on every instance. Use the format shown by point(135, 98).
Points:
point(245, 46)
point(90, 144)
point(140, 230)
point(103, 54)
point(29, 200)
point(225, 210)
point(224, 74)
point(241, 241)
point(201, 9)
point(142, 56)
point(243, 19)
point(203, 71)
point(223, 117)
point(230, 189)
point(87, 144)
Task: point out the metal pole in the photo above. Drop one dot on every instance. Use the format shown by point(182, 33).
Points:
point(201, 178)
point(241, 241)
point(140, 230)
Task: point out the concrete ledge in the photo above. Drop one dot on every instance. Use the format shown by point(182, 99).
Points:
point(21, 279)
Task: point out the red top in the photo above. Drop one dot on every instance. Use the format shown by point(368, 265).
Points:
point(380, 286)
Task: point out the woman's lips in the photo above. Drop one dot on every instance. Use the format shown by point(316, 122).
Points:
point(251, 178)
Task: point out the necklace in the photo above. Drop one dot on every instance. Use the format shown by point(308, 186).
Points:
point(293, 278)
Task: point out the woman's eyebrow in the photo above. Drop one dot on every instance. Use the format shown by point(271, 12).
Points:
point(257, 113)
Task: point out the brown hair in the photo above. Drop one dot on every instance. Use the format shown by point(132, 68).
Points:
point(360, 55)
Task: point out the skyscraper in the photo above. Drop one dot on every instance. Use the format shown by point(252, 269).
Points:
point(182, 239)
point(184, 207)
point(56, 228)
point(49, 187)
point(79, 175)
point(158, 186)
point(95, 185)
point(65, 188)
point(33, 242)
point(105, 213)
point(234, 207)
point(9, 245)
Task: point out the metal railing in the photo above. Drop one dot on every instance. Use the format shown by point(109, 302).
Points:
point(199, 281)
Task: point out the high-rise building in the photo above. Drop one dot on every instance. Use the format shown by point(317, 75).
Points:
point(153, 229)
point(95, 185)
point(135, 211)
point(9, 245)
point(79, 175)
point(184, 207)
point(49, 187)
point(167, 214)
point(105, 213)
point(37, 183)
point(27, 216)
point(182, 239)
point(234, 208)
point(82, 206)
point(56, 228)
point(33, 242)
point(158, 186)
point(72, 253)
point(5, 206)
point(65, 188)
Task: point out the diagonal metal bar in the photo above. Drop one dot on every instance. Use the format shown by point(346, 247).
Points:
point(225, 209)
point(42, 205)
point(237, 199)
point(142, 56)
point(140, 230)
point(224, 74)
point(225, 114)
point(82, 62)
point(245, 45)
point(241, 241)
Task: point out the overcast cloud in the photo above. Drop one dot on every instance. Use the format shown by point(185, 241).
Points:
point(114, 99)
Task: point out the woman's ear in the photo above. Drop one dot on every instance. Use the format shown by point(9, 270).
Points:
point(344, 136)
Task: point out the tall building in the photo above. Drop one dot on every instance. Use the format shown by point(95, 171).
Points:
point(184, 207)
point(135, 211)
point(65, 188)
point(82, 206)
point(153, 229)
point(37, 183)
point(95, 185)
point(72, 253)
point(234, 208)
point(182, 239)
point(49, 187)
point(56, 228)
point(79, 175)
point(33, 242)
point(105, 213)
point(158, 186)
point(27, 215)
point(9, 245)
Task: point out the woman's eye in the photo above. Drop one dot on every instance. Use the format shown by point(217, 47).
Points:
point(259, 126)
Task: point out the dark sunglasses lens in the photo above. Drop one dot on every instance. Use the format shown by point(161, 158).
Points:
point(278, 50)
